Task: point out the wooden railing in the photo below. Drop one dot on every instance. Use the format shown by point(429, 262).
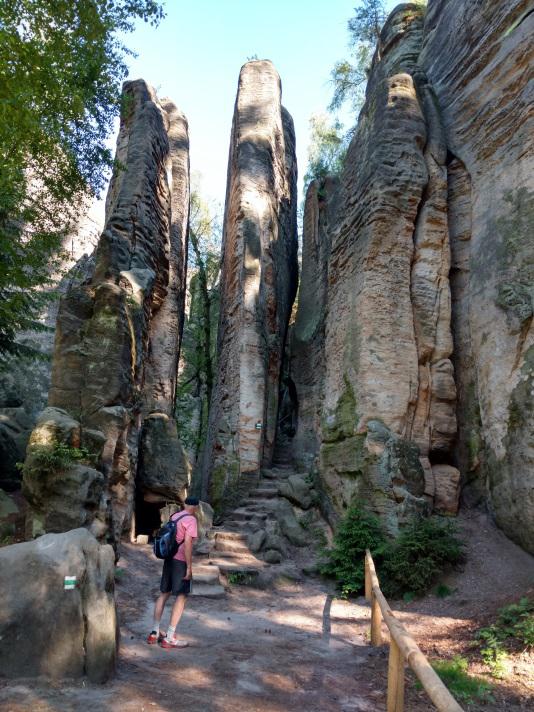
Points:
point(402, 649)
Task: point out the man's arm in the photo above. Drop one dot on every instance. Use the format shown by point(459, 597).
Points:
point(188, 551)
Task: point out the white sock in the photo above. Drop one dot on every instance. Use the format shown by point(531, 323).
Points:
point(155, 626)
point(170, 632)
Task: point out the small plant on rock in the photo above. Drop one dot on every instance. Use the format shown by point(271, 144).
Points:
point(58, 458)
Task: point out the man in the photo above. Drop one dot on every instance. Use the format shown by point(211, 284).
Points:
point(176, 578)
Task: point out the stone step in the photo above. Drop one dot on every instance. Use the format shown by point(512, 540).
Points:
point(246, 565)
point(252, 502)
point(233, 536)
point(207, 590)
point(211, 578)
point(227, 545)
point(229, 554)
point(246, 515)
point(265, 492)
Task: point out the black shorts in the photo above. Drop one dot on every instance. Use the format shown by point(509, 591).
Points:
point(172, 578)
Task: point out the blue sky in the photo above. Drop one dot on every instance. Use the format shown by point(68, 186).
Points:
point(195, 55)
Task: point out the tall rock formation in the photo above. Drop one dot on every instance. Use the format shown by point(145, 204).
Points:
point(307, 363)
point(479, 58)
point(105, 382)
point(388, 411)
point(258, 281)
point(429, 346)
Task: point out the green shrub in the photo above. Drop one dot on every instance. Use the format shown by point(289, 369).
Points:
point(406, 566)
point(514, 627)
point(421, 552)
point(359, 530)
point(465, 687)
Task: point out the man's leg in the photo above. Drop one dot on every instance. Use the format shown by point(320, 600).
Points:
point(158, 608)
point(177, 610)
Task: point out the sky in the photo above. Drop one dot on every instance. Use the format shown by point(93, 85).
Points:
point(195, 54)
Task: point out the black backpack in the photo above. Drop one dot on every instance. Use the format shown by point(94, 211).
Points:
point(165, 545)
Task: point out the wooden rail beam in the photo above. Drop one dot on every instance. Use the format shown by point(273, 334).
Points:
point(403, 648)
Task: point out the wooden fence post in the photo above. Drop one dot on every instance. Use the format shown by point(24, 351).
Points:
point(376, 621)
point(368, 583)
point(395, 702)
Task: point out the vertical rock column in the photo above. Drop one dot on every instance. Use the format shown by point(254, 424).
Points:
point(258, 281)
point(389, 393)
point(164, 471)
point(307, 340)
point(104, 336)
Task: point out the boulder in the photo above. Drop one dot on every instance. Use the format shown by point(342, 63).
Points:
point(447, 489)
point(163, 466)
point(256, 540)
point(47, 628)
point(297, 491)
point(272, 556)
point(288, 523)
point(15, 428)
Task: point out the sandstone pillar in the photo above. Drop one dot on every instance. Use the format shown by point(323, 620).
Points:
point(258, 281)
point(106, 331)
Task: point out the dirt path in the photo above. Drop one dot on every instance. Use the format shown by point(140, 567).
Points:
point(293, 647)
point(290, 647)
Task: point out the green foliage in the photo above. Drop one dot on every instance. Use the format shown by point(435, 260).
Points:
point(420, 553)
point(326, 150)
point(514, 627)
point(199, 342)
point(465, 687)
point(406, 566)
point(119, 573)
point(58, 458)
point(240, 578)
point(61, 68)
point(442, 591)
point(349, 76)
point(359, 530)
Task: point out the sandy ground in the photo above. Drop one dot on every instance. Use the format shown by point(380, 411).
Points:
point(293, 646)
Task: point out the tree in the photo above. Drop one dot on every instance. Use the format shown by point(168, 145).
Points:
point(61, 68)
point(195, 381)
point(349, 77)
point(327, 148)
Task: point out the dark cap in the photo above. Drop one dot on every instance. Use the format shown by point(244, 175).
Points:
point(192, 501)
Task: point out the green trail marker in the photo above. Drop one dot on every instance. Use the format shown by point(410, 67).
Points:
point(70, 583)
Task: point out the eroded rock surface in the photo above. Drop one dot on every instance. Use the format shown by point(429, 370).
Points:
point(428, 342)
point(117, 333)
point(258, 281)
point(307, 365)
point(47, 629)
point(478, 57)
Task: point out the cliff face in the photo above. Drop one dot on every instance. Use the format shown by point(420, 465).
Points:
point(307, 364)
point(117, 338)
point(479, 57)
point(258, 281)
point(428, 345)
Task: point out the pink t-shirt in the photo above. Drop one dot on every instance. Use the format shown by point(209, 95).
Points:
point(186, 525)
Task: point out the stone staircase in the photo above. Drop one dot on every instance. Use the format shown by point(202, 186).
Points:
point(227, 548)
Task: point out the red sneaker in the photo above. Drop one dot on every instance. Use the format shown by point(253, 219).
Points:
point(154, 638)
point(173, 643)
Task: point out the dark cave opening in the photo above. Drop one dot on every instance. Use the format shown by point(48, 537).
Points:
point(147, 516)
